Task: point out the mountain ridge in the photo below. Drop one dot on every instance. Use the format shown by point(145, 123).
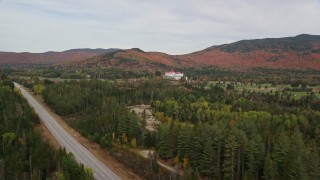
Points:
point(298, 52)
point(49, 57)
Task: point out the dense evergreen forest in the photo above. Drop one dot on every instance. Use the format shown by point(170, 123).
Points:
point(212, 133)
point(23, 152)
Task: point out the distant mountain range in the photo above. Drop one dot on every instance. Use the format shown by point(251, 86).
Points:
point(49, 58)
point(299, 52)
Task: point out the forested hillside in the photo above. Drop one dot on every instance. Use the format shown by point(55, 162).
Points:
point(208, 132)
point(23, 152)
point(301, 52)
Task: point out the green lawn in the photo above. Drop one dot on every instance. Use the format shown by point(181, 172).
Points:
point(265, 87)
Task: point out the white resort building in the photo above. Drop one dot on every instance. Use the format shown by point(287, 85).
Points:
point(173, 75)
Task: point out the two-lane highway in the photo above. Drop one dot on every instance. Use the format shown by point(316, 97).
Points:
point(66, 140)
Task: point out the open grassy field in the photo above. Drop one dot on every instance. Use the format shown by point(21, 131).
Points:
point(264, 87)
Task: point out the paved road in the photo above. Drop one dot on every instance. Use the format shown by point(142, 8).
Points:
point(66, 140)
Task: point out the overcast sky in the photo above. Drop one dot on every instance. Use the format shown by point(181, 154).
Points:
point(171, 26)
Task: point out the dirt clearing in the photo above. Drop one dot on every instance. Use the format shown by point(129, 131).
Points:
point(145, 114)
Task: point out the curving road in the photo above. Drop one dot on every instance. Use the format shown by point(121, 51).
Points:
point(82, 154)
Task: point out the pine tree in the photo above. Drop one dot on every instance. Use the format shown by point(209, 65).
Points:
point(313, 164)
point(255, 156)
point(173, 138)
point(197, 146)
point(218, 137)
point(163, 147)
point(132, 127)
point(184, 141)
point(230, 157)
point(207, 160)
point(297, 157)
point(270, 171)
point(243, 143)
point(280, 155)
